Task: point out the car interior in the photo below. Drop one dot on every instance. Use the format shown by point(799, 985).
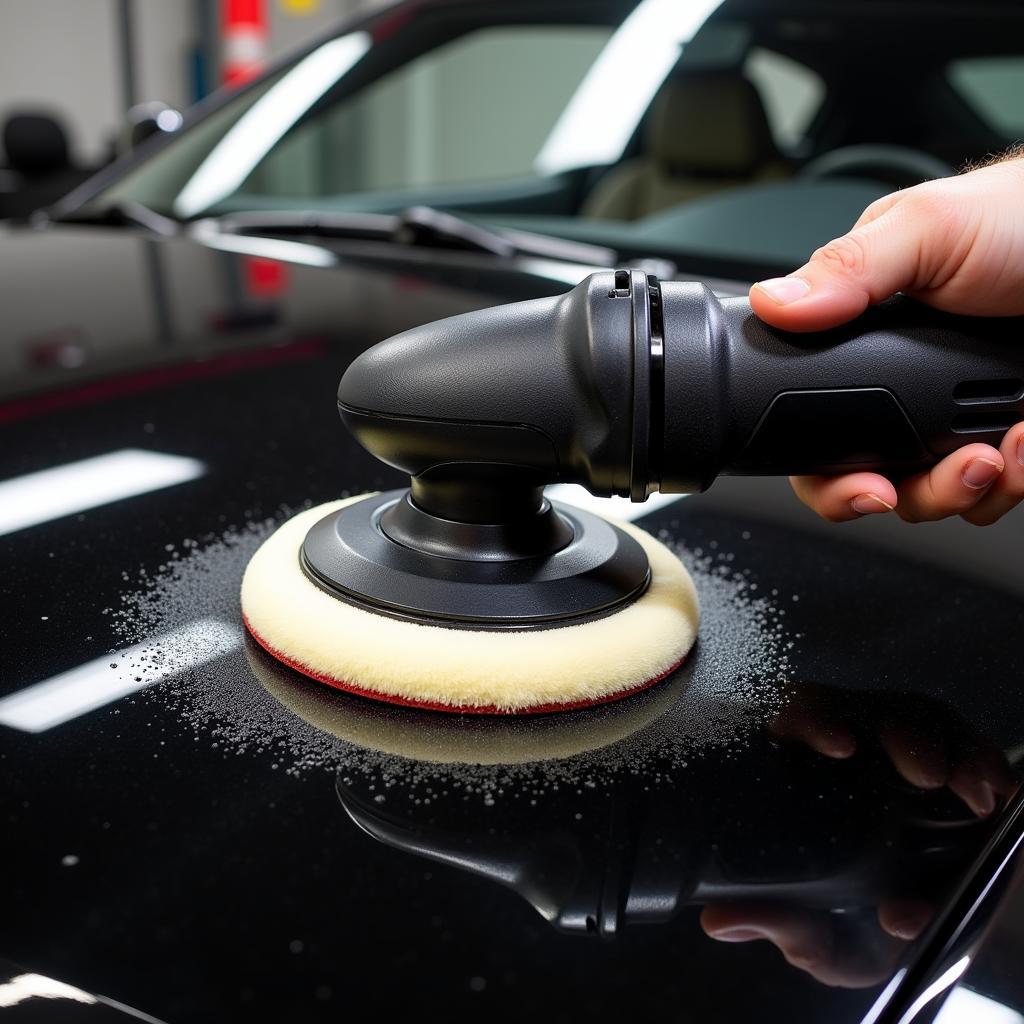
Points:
point(38, 164)
point(705, 132)
point(768, 132)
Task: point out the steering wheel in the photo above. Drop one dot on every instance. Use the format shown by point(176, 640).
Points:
point(894, 165)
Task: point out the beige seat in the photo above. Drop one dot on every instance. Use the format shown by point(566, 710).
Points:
point(705, 131)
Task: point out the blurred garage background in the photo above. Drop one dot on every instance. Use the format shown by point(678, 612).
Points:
point(729, 161)
point(77, 79)
point(81, 82)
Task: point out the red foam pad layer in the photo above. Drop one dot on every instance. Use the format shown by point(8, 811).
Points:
point(479, 709)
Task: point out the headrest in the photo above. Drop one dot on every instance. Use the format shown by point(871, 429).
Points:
point(35, 144)
point(709, 123)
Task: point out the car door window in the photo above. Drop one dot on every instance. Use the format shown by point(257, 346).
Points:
point(477, 109)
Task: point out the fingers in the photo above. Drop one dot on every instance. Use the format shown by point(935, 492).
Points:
point(1008, 490)
point(816, 729)
point(811, 941)
point(954, 243)
point(842, 498)
point(978, 482)
point(893, 250)
point(982, 779)
point(953, 486)
point(804, 939)
point(975, 791)
point(905, 919)
point(922, 760)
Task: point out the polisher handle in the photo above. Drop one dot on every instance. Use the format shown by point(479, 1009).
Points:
point(895, 390)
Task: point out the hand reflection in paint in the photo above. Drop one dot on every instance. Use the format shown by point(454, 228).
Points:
point(931, 747)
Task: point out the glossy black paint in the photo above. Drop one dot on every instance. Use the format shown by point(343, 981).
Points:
point(198, 883)
point(199, 870)
point(30, 998)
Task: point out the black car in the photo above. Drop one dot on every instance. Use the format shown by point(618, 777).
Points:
point(199, 832)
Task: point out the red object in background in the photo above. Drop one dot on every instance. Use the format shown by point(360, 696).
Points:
point(245, 36)
point(265, 278)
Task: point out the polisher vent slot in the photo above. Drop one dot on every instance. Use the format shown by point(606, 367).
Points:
point(985, 392)
point(621, 290)
point(983, 420)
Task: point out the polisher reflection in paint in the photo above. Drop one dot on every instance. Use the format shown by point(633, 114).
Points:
point(471, 592)
point(593, 861)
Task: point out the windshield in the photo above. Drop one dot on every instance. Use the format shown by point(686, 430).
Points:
point(479, 103)
point(725, 128)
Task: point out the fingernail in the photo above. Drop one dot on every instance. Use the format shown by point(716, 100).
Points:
point(907, 930)
point(839, 747)
point(931, 778)
point(784, 290)
point(980, 472)
point(804, 958)
point(1020, 449)
point(984, 800)
point(905, 919)
point(741, 933)
point(866, 504)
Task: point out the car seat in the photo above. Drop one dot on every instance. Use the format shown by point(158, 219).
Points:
point(38, 158)
point(704, 132)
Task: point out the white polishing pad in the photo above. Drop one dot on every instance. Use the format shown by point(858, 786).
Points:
point(466, 670)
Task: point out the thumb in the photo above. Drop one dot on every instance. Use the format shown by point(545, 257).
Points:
point(880, 256)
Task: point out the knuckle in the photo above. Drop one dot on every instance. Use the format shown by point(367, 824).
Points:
point(918, 512)
point(833, 515)
point(930, 203)
point(847, 255)
point(981, 517)
point(936, 212)
point(879, 207)
point(875, 208)
point(1013, 490)
point(964, 504)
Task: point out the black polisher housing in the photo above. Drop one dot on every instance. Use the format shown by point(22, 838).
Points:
point(625, 386)
point(482, 411)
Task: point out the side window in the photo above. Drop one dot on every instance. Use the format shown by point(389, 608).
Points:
point(791, 93)
point(994, 89)
point(477, 109)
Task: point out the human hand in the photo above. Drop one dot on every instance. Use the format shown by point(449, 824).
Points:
point(842, 951)
point(930, 747)
point(956, 244)
point(928, 744)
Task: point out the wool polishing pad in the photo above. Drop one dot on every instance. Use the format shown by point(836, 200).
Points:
point(453, 739)
point(466, 670)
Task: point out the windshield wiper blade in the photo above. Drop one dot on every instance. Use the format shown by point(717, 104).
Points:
point(421, 226)
point(373, 226)
point(121, 213)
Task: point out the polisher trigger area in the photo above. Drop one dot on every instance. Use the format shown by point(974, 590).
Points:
point(390, 556)
point(401, 660)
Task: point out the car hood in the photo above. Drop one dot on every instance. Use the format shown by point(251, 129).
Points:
point(200, 833)
point(85, 301)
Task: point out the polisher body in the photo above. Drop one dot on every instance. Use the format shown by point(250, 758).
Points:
point(627, 386)
point(471, 592)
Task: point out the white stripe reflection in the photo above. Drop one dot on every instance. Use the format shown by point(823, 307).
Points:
point(76, 486)
point(80, 690)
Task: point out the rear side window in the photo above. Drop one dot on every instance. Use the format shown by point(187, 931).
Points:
point(791, 93)
point(994, 88)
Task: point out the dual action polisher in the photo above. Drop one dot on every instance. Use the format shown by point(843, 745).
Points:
point(472, 592)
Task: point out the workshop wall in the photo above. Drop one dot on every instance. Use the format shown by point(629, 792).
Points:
point(64, 57)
